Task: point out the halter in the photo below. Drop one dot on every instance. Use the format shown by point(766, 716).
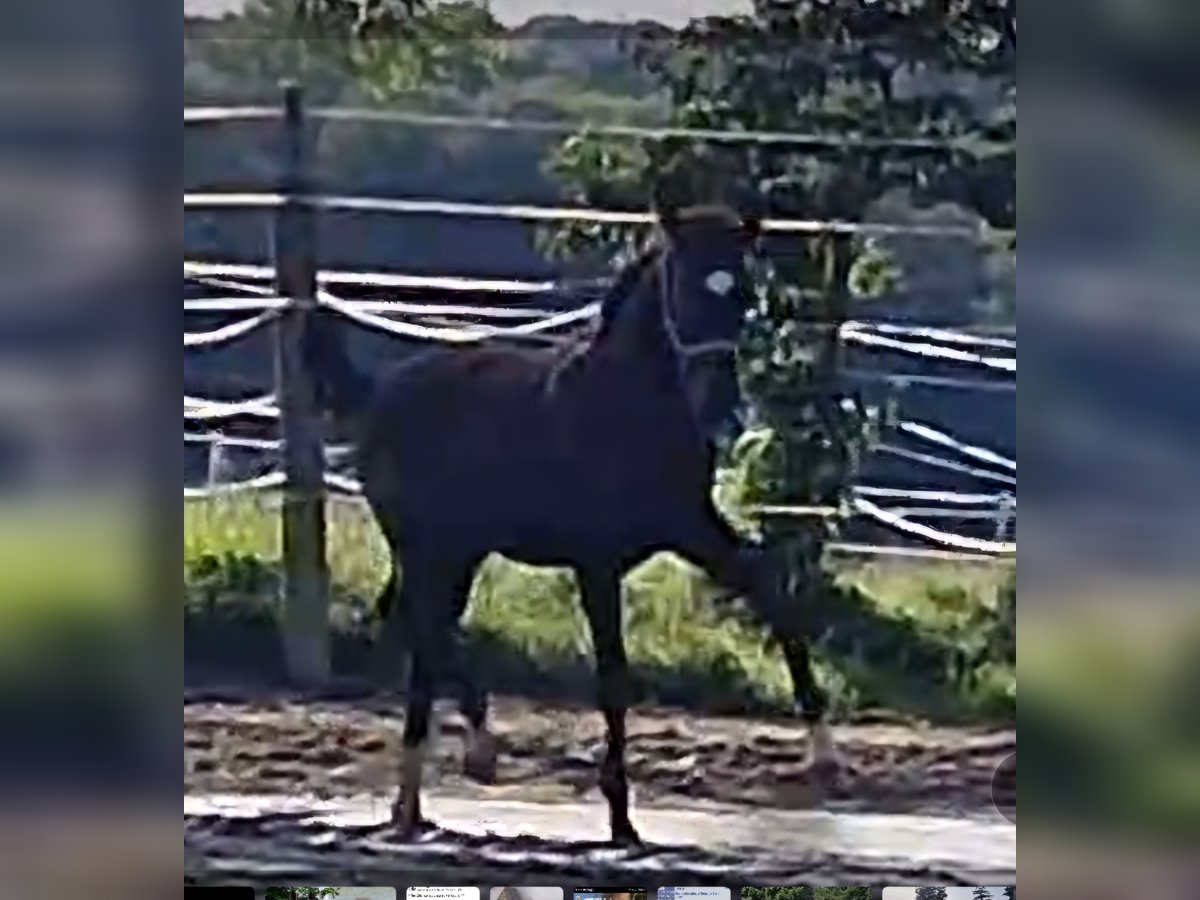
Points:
point(685, 352)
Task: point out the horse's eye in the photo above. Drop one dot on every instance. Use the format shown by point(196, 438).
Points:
point(719, 282)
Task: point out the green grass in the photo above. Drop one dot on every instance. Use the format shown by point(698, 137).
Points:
point(675, 639)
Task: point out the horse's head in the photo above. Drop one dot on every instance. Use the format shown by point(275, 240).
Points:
point(705, 293)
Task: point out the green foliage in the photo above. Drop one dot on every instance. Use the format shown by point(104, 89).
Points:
point(777, 893)
point(930, 893)
point(377, 49)
point(806, 893)
point(836, 68)
point(301, 893)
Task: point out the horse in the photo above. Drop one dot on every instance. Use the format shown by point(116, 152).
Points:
point(594, 455)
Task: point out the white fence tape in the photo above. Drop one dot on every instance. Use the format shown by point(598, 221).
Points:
point(262, 483)
point(200, 270)
point(833, 512)
point(234, 304)
point(270, 444)
point(948, 464)
point(394, 307)
point(932, 351)
point(197, 408)
point(942, 512)
point(460, 335)
point(209, 273)
point(228, 332)
point(917, 429)
point(343, 483)
point(915, 552)
point(378, 307)
point(902, 380)
point(205, 274)
point(213, 437)
point(936, 334)
point(528, 213)
point(942, 537)
point(935, 496)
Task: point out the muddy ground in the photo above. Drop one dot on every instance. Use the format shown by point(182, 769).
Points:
point(547, 755)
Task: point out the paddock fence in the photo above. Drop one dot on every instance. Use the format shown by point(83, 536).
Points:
point(285, 295)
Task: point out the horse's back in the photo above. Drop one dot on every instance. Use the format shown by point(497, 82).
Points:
point(478, 419)
point(501, 447)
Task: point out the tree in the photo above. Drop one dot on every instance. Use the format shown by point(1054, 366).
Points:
point(847, 69)
point(1010, 892)
point(981, 893)
point(931, 893)
point(380, 49)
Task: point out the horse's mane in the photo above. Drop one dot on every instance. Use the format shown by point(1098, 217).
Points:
point(626, 281)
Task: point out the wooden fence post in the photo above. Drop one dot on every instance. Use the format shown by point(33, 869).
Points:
point(306, 571)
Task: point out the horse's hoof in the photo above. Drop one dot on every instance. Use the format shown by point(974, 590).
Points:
point(408, 824)
point(408, 829)
point(831, 771)
point(626, 836)
point(479, 764)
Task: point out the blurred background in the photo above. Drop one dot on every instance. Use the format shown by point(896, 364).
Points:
point(90, 602)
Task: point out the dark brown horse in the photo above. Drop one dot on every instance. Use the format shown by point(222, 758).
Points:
point(594, 456)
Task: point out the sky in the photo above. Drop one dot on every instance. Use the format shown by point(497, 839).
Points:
point(954, 893)
point(513, 12)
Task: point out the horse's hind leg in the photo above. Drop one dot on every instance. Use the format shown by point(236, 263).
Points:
point(748, 570)
point(479, 751)
point(390, 649)
point(601, 595)
point(431, 595)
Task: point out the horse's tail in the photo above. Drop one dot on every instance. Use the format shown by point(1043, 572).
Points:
point(342, 387)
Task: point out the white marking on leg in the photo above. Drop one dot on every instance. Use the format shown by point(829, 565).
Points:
point(479, 754)
point(823, 748)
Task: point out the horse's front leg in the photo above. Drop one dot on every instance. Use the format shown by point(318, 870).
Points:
point(748, 571)
point(601, 594)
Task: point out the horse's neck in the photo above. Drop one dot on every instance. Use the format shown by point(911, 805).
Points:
point(635, 336)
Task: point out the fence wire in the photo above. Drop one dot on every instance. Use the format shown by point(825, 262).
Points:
point(530, 213)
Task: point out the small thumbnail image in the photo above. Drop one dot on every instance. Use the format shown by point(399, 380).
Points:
point(694, 893)
point(805, 892)
point(329, 893)
point(610, 893)
point(954, 893)
point(526, 893)
point(442, 893)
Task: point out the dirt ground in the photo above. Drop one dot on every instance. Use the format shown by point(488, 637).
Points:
point(680, 765)
point(549, 754)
